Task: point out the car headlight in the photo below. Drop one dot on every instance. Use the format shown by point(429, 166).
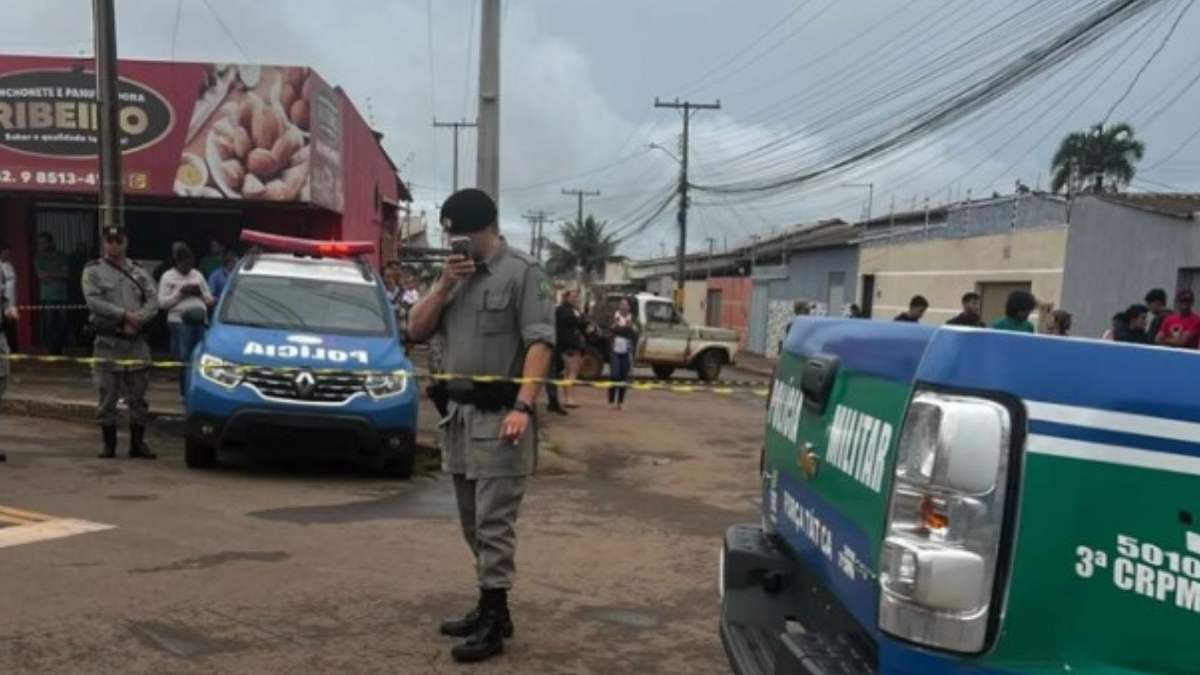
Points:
point(219, 371)
point(386, 385)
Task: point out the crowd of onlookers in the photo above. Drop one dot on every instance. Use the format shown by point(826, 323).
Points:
point(1151, 322)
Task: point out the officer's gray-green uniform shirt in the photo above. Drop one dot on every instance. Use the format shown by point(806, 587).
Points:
point(5, 303)
point(110, 293)
point(489, 322)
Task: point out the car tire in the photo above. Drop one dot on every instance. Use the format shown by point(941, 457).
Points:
point(401, 465)
point(199, 455)
point(663, 372)
point(708, 366)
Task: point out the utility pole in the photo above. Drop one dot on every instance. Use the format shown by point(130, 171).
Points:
point(455, 127)
point(581, 194)
point(487, 164)
point(536, 220)
point(688, 108)
point(111, 181)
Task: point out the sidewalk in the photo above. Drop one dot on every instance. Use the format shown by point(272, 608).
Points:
point(65, 391)
point(753, 363)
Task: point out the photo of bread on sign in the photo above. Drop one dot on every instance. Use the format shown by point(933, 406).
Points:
point(255, 145)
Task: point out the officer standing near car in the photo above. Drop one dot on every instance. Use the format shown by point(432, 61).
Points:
point(8, 312)
point(492, 311)
point(122, 299)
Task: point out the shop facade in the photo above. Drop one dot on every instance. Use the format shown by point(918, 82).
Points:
point(208, 150)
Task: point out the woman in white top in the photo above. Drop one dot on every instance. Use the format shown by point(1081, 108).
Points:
point(624, 331)
point(183, 288)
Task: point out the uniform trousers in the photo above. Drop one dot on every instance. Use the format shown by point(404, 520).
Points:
point(489, 483)
point(109, 381)
point(487, 510)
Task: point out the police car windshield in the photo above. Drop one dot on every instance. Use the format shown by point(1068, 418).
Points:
point(311, 305)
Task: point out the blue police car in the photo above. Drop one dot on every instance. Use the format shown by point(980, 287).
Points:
point(303, 351)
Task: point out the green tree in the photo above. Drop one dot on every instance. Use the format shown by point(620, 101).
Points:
point(584, 245)
point(1097, 160)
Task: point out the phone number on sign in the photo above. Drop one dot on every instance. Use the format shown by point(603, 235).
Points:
point(27, 177)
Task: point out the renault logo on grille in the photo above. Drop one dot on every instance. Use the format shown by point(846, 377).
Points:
point(306, 384)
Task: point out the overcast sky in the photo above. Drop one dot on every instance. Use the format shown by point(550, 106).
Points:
point(794, 77)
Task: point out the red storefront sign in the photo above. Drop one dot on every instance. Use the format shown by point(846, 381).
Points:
point(205, 131)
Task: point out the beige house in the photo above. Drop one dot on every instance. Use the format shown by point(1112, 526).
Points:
point(992, 248)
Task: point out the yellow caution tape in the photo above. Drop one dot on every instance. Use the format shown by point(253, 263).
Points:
point(46, 308)
point(728, 388)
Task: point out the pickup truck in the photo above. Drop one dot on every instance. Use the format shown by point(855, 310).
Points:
point(962, 501)
point(665, 342)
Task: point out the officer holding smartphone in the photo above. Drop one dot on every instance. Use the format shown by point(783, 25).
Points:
point(492, 312)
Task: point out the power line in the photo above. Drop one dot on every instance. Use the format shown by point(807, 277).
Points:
point(1150, 60)
point(432, 81)
point(777, 44)
point(960, 102)
point(687, 87)
point(557, 181)
point(470, 57)
point(175, 30)
point(228, 33)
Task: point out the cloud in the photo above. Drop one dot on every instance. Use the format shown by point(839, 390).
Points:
point(576, 112)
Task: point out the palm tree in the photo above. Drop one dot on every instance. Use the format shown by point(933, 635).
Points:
point(1101, 158)
point(584, 245)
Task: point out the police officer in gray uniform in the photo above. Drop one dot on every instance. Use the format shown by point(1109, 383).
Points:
point(8, 311)
point(493, 313)
point(122, 299)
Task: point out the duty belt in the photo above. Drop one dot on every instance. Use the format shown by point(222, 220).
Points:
point(486, 396)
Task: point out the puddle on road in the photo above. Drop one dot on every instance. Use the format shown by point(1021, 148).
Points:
point(434, 500)
point(625, 617)
point(217, 559)
point(133, 498)
point(179, 641)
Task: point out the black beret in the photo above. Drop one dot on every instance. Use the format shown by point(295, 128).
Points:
point(469, 210)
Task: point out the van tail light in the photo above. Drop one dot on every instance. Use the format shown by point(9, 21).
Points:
point(946, 522)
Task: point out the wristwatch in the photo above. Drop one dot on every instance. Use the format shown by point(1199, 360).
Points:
point(522, 406)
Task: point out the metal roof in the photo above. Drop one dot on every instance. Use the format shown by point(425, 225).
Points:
point(1176, 204)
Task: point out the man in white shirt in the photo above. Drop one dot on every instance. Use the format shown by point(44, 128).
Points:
point(183, 289)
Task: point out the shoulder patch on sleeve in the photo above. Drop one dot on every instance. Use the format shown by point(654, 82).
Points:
point(543, 287)
point(92, 263)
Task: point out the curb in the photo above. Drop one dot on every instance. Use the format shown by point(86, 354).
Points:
point(169, 422)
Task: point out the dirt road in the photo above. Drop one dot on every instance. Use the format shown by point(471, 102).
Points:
point(318, 568)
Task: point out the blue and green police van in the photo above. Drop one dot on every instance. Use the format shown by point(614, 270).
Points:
point(940, 500)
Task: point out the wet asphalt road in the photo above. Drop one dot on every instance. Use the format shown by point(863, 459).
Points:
point(323, 567)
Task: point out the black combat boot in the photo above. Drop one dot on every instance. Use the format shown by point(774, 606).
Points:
point(137, 443)
point(465, 626)
point(110, 442)
point(488, 638)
